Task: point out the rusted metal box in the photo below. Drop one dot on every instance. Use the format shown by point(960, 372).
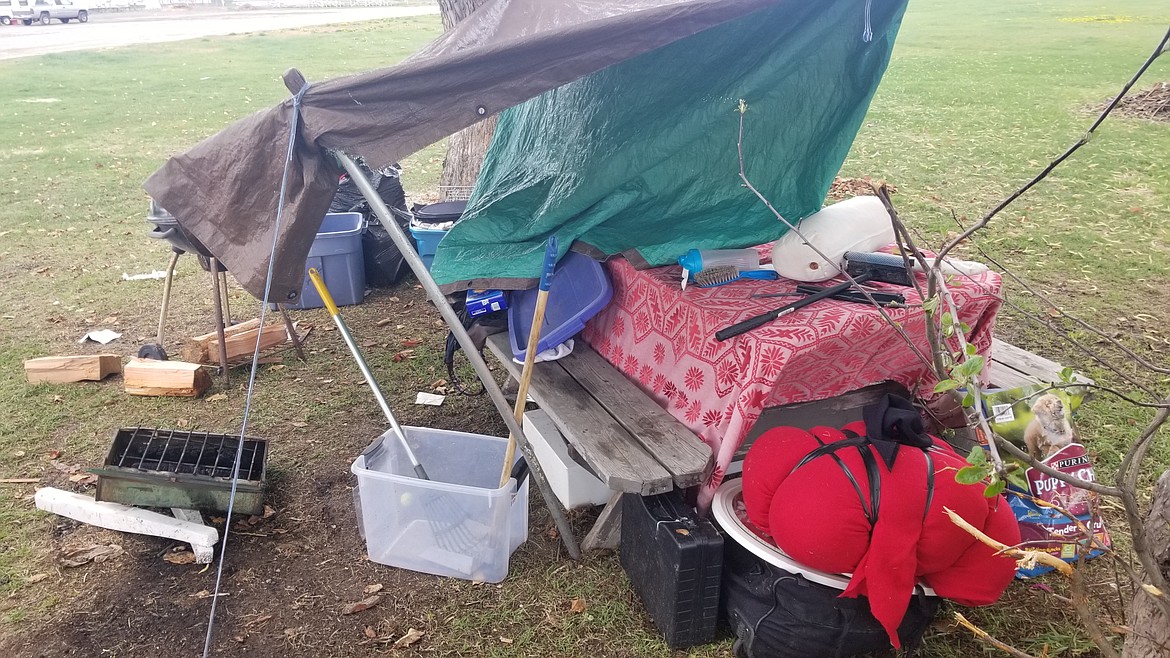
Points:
point(190, 470)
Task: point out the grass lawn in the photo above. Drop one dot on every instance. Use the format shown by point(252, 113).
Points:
point(978, 98)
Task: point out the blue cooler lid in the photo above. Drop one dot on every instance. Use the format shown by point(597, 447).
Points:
point(580, 289)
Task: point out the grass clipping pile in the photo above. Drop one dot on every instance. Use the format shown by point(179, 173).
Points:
point(1152, 103)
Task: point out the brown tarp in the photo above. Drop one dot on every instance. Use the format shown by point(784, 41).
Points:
point(224, 191)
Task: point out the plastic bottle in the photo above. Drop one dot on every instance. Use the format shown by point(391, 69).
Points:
point(697, 261)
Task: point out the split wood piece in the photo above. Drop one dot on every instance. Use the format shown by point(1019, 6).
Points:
point(65, 369)
point(239, 339)
point(114, 516)
point(20, 480)
point(165, 378)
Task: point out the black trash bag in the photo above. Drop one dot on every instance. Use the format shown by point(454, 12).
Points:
point(778, 614)
point(384, 264)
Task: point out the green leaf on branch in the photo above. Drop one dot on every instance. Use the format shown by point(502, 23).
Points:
point(995, 488)
point(946, 385)
point(977, 457)
point(969, 399)
point(971, 367)
point(970, 474)
point(930, 305)
point(970, 349)
point(1066, 375)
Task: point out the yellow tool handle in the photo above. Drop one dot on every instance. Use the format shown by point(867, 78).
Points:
point(319, 284)
point(525, 380)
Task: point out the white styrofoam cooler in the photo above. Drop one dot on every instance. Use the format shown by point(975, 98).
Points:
point(573, 485)
point(459, 523)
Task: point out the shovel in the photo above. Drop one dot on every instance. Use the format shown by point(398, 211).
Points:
point(550, 263)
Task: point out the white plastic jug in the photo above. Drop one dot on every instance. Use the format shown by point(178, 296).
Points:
point(857, 224)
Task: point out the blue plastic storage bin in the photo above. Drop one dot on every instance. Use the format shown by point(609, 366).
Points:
point(428, 243)
point(580, 289)
point(425, 226)
point(337, 255)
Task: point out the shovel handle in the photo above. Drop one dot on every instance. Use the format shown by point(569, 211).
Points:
point(319, 284)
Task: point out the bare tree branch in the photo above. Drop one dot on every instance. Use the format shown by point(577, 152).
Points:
point(1080, 603)
point(984, 636)
point(1012, 450)
point(1073, 149)
point(1127, 477)
point(885, 316)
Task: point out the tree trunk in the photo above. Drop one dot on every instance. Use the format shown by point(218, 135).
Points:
point(466, 148)
point(1150, 637)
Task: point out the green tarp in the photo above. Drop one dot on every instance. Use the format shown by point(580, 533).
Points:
point(641, 158)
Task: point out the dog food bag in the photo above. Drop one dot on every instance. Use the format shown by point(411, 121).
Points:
point(1039, 421)
point(1050, 529)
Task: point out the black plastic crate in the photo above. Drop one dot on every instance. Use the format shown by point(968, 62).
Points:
point(674, 560)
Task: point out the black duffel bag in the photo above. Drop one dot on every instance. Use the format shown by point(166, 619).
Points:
point(778, 614)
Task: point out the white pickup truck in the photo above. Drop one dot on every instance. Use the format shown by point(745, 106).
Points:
point(15, 11)
point(62, 10)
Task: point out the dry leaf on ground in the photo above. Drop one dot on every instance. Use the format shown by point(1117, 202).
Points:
point(83, 478)
point(36, 578)
point(257, 621)
point(217, 397)
point(413, 635)
point(370, 633)
point(373, 589)
point(364, 604)
point(75, 556)
point(577, 606)
point(182, 557)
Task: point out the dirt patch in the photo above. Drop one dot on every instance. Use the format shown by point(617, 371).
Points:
point(1152, 103)
point(845, 188)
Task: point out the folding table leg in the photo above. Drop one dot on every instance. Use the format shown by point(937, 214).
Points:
point(607, 529)
point(292, 332)
point(219, 326)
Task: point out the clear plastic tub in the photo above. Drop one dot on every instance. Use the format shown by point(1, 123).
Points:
point(456, 524)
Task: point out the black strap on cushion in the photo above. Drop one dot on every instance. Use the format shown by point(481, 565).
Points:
point(862, 444)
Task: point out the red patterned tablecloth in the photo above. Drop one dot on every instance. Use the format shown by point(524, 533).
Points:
point(663, 338)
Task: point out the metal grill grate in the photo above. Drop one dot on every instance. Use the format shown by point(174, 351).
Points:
point(187, 453)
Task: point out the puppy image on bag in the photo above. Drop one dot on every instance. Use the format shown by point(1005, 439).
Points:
point(1049, 430)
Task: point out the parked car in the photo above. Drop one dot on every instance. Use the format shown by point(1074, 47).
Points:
point(62, 10)
point(12, 11)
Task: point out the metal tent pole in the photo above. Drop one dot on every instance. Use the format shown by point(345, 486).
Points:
point(481, 368)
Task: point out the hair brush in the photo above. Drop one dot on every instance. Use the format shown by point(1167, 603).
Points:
point(721, 274)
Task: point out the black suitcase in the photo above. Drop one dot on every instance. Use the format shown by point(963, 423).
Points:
point(674, 560)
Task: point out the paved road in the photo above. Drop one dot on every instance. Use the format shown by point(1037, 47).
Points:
point(114, 30)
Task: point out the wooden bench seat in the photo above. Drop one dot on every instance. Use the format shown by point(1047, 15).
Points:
point(621, 434)
point(1012, 367)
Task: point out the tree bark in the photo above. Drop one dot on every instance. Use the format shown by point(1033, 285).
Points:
point(1150, 634)
point(466, 148)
